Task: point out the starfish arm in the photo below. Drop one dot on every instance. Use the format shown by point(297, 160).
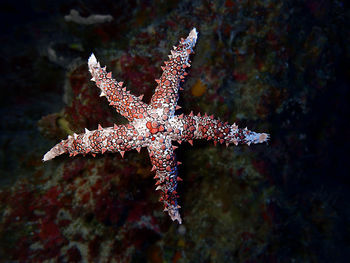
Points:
point(166, 93)
point(128, 105)
point(119, 138)
point(207, 127)
point(164, 163)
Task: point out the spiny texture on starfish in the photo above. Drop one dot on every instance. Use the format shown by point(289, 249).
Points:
point(154, 125)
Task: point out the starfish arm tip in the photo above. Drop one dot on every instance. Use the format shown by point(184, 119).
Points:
point(45, 158)
point(92, 60)
point(57, 150)
point(175, 215)
point(264, 137)
point(192, 37)
point(194, 33)
point(255, 138)
point(48, 156)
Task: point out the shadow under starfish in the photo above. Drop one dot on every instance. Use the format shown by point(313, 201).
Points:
point(154, 125)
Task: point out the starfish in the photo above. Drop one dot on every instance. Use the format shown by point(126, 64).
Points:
point(154, 125)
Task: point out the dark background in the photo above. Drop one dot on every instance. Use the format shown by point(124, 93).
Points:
point(274, 66)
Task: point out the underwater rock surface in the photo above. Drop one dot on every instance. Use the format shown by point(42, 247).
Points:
point(275, 66)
